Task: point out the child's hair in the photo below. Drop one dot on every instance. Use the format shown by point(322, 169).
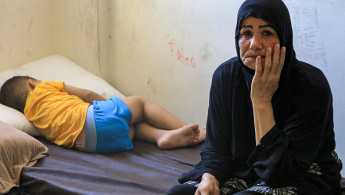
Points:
point(14, 92)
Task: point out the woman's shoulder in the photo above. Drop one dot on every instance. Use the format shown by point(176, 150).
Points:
point(311, 75)
point(312, 79)
point(230, 63)
point(228, 67)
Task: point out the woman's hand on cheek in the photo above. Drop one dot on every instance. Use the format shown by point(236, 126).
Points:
point(266, 78)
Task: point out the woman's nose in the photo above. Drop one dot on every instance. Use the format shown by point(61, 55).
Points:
point(255, 43)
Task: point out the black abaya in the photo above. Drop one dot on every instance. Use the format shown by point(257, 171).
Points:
point(299, 150)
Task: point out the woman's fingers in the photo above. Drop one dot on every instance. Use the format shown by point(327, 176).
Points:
point(276, 58)
point(268, 61)
point(281, 60)
point(258, 67)
point(267, 75)
point(274, 61)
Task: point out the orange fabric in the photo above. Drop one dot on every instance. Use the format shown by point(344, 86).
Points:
point(60, 117)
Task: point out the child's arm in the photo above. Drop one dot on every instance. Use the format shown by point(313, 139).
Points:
point(84, 94)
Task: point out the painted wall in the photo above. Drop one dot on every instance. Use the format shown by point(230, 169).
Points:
point(25, 33)
point(32, 29)
point(75, 24)
point(168, 50)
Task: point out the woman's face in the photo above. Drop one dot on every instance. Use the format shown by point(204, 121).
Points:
point(256, 35)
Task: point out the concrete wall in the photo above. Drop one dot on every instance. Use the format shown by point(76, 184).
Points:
point(32, 29)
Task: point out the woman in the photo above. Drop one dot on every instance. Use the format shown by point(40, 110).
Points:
point(270, 117)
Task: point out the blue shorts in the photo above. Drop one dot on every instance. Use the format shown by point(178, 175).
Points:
point(106, 127)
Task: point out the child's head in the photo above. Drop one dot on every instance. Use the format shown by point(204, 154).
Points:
point(14, 92)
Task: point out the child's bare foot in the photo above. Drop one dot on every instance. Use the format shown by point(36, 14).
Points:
point(185, 136)
point(200, 136)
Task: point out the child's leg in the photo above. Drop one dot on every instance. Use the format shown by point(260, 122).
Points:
point(151, 123)
point(144, 110)
point(166, 139)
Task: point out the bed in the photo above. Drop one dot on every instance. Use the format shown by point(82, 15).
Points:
point(50, 169)
point(45, 168)
point(143, 170)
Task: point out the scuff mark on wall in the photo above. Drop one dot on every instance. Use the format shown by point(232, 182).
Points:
point(30, 25)
point(29, 53)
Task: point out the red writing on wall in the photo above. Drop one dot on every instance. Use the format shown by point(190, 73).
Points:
point(188, 61)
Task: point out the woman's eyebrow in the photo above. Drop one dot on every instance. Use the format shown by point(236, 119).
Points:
point(246, 26)
point(260, 26)
point(265, 26)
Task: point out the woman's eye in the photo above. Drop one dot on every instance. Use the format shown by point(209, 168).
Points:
point(246, 33)
point(268, 33)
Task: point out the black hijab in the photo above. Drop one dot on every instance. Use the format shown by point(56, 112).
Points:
point(276, 13)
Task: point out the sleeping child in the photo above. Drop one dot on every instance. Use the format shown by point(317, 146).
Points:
point(73, 117)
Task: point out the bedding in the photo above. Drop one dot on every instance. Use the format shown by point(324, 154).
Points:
point(143, 170)
point(17, 150)
point(17, 120)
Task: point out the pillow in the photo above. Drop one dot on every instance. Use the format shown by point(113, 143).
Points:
point(52, 68)
point(18, 120)
point(17, 150)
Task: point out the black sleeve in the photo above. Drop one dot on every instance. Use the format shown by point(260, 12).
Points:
point(215, 153)
point(287, 152)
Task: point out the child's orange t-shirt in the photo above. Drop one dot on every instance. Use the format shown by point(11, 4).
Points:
point(60, 117)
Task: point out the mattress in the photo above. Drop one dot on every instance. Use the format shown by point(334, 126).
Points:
point(143, 170)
